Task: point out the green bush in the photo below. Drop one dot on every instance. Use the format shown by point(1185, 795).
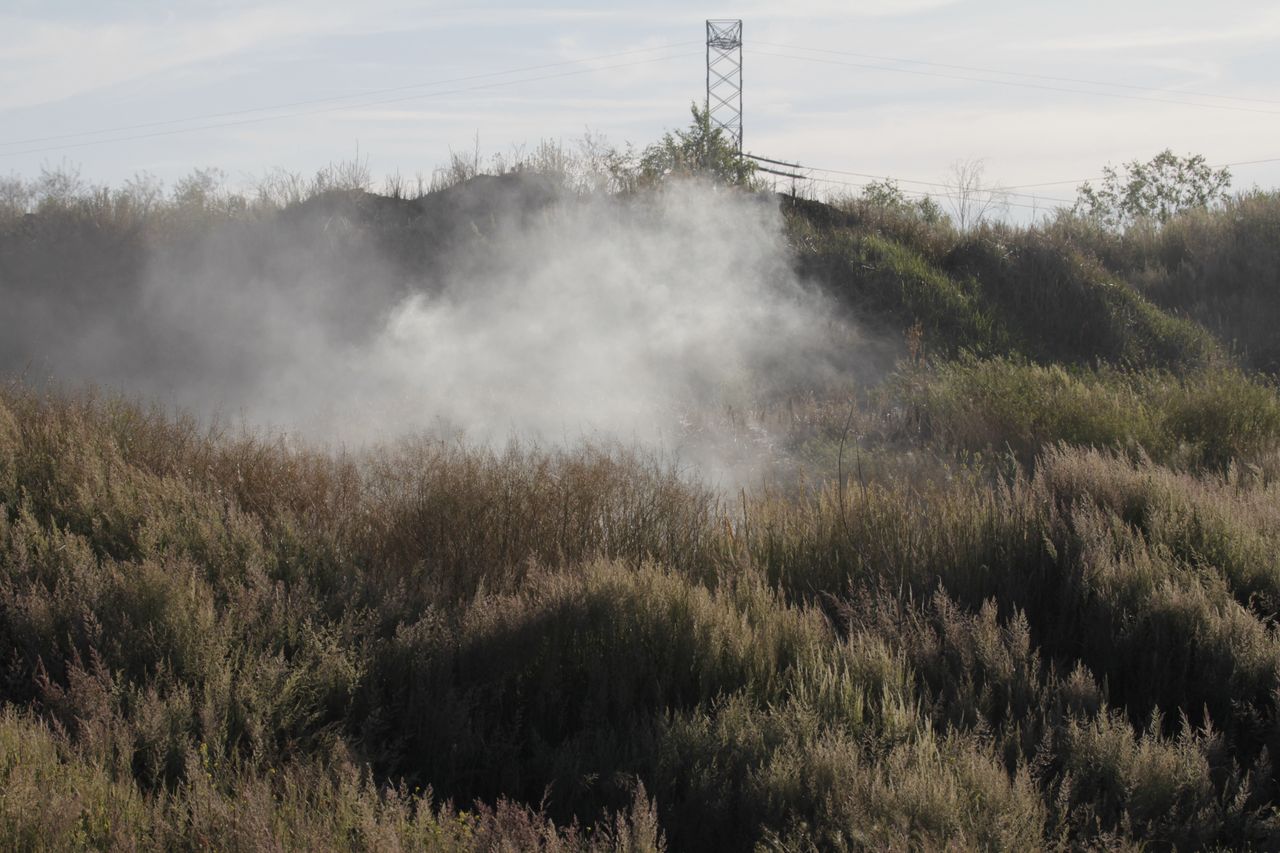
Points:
point(1208, 418)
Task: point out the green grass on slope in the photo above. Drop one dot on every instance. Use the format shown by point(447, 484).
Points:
point(883, 281)
point(1062, 307)
point(999, 291)
point(1219, 267)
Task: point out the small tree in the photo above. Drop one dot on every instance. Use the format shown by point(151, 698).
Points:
point(973, 200)
point(200, 188)
point(58, 186)
point(887, 195)
point(15, 197)
point(700, 150)
point(1157, 190)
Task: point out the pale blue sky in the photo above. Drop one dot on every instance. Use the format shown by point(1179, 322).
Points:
point(69, 67)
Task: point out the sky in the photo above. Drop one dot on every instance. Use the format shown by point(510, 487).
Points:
point(1042, 93)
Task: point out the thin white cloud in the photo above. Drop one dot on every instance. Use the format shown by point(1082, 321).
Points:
point(1264, 27)
point(840, 10)
point(49, 61)
point(43, 60)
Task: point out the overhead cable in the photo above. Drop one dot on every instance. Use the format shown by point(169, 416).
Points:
point(345, 106)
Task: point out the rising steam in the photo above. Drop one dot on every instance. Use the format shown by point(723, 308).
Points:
point(546, 316)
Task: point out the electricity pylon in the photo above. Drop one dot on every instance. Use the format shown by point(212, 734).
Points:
point(724, 78)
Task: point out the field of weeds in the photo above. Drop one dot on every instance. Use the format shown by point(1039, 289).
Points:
point(1020, 594)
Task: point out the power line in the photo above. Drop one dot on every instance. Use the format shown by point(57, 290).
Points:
point(331, 99)
point(953, 194)
point(1005, 190)
point(1248, 162)
point(1079, 181)
point(791, 175)
point(1011, 190)
point(1000, 190)
point(1022, 74)
point(1021, 85)
point(421, 96)
point(944, 185)
point(774, 162)
point(949, 190)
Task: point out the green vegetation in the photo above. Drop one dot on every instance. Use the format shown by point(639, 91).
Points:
point(701, 150)
point(1206, 418)
point(1024, 597)
point(1218, 267)
point(1045, 293)
point(1156, 190)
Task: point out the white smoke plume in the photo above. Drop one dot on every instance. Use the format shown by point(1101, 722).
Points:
point(574, 318)
point(595, 318)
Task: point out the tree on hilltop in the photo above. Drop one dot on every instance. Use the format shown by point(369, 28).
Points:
point(1157, 190)
point(701, 149)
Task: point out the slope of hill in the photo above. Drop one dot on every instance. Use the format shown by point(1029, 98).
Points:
point(999, 291)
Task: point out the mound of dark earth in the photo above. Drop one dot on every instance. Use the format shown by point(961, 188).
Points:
point(148, 303)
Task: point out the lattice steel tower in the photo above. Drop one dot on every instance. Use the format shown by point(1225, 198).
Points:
point(724, 78)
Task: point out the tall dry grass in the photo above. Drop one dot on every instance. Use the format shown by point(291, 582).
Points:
point(463, 647)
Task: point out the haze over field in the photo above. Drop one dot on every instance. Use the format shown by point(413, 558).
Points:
point(533, 314)
point(1027, 552)
point(600, 318)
